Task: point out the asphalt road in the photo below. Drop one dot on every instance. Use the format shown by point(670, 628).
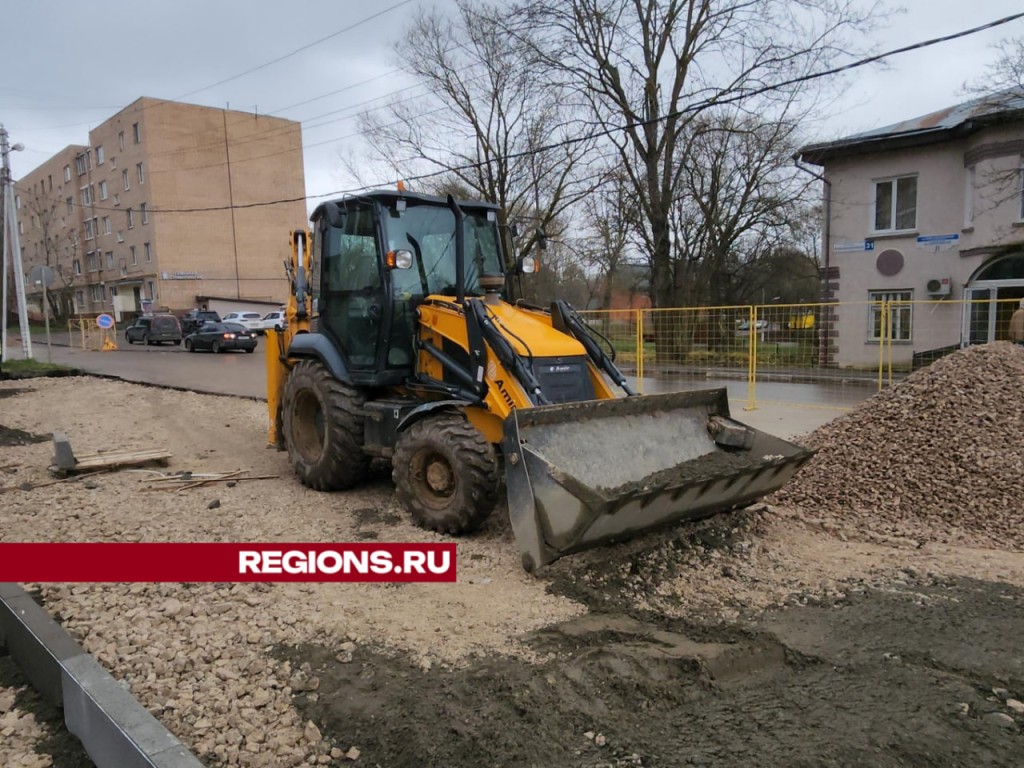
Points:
point(238, 373)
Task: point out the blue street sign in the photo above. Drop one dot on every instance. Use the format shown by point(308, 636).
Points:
point(105, 321)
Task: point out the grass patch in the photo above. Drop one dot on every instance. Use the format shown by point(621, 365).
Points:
point(33, 369)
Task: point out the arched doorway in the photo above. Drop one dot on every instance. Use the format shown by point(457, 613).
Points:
point(991, 295)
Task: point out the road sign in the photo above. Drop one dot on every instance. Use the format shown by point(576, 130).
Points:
point(41, 275)
point(853, 245)
point(105, 321)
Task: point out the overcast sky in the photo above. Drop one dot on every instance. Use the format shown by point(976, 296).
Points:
point(71, 65)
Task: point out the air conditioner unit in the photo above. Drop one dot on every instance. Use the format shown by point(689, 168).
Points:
point(940, 286)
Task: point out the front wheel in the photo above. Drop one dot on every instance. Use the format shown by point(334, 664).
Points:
point(250, 350)
point(145, 339)
point(446, 474)
point(188, 346)
point(322, 426)
point(215, 347)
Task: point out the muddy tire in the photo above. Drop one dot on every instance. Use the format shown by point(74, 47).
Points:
point(323, 429)
point(446, 474)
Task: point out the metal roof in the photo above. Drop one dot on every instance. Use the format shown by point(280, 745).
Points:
point(919, 130)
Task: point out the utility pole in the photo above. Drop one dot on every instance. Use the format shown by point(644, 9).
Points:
point(12, 244)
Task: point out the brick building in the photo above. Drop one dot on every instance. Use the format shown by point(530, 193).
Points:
point(167, 203)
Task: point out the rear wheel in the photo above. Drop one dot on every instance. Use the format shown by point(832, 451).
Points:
point(188, 346)
point(215, 346)
point(145, 339)
point(323, 428)
point(446, 474)
point(250, 350)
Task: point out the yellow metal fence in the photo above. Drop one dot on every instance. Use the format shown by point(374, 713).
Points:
point(825, 355)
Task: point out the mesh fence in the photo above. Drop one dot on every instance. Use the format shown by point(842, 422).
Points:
point(84, 333)
point(826, 355)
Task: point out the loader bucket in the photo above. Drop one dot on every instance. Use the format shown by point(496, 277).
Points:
point(589, 473)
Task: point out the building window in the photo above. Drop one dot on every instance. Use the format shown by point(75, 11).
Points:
point(120, 140)
point(131, 218)
point(139, 172)
point(151, 289)
point(137, 133)
point(79, 299)
point(120, 235)
point(103, 190)
point(67, 173)
point(110, 259)
point(1020, 211)
point(77, 266)
point(124, 268)
point(106, 225)
point(131, 252)
point(145, 214)
point(86, 195)
point(969, 180)
point(80, 164)
point(895, 204)
point(900, 314)
point(91, 262)
point(97, 292)
point(124, 178)
point(49, 182)
point(147, 251)
point(71, 205)
point(117, 199)
point(99, 155)
point(21, 227)
point(17, 202)
point(90, 229)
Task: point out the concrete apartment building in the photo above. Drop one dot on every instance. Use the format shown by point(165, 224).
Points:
point(928, 211)
point(166, 209)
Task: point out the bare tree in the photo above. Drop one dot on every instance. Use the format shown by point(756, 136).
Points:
point(491, 124)
point(60, 249)
point(648, 70)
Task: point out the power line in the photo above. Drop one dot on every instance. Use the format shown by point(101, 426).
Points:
point(297, 50)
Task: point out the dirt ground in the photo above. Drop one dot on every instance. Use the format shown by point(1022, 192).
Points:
point(763, 637)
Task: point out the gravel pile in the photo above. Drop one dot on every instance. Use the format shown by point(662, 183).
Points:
point(937, 457)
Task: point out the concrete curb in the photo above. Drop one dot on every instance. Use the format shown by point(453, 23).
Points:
point(114, 728)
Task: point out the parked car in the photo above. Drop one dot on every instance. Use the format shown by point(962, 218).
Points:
point(274, 321)
point(154, 329)
point(220, 337)
point(195, 318)
point(250, 320)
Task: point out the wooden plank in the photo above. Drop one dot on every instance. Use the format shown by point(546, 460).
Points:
point(116, 458)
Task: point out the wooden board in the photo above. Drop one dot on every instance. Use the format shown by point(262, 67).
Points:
point(118, 459)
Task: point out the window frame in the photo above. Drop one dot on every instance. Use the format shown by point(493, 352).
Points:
point(893, 181)
point(140, 173)
point(902, 319)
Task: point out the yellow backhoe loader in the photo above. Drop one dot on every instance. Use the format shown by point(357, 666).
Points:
point(401, 343)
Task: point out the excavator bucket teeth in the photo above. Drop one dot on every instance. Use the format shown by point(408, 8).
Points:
point(584, 474)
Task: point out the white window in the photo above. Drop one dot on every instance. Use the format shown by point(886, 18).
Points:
point(120, 235)
point(78, 266)
point(149, 254)
point(151, 286)
point(899, 311)
point(80, 164)
point(969, 180)
point(124, 268)
point(67, 173)
point(99, 155)
point(140, 173)
point(895, 206)
point(91, 262)
point(145, 215)
point(124, 178)
point(97, 292)
point(117, 199)
point(110, 259)
point(103, 190)
point(131, 252)
point(131, 218)
point(87, 195)
point(90, 229)
point(79, 299)
point(120, 140)
point(136, 133)
point(106, 225)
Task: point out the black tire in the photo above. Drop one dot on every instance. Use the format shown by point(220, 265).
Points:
point(145, 339)
point(446, 474)
point(250, 350)
point(323, 428)
point(128, 338)
point(188, 346)
point(215, 347)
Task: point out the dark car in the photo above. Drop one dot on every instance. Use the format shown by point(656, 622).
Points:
point(154, 329)
point(192, 320)
point(219, 337)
